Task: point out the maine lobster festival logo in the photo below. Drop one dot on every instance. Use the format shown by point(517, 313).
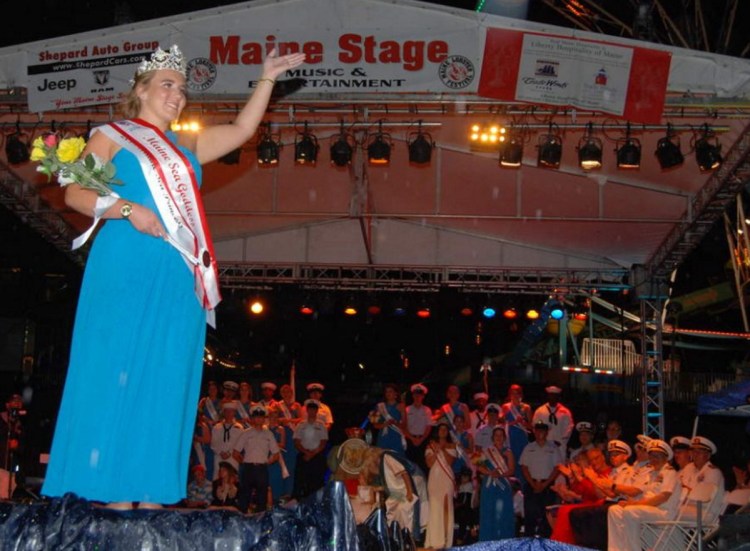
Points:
point(201, 74)
point(456, 71)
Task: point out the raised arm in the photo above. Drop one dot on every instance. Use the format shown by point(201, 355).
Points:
point(216, 141)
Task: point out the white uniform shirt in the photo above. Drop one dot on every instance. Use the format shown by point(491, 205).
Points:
point(541, 460)
point(324, 414)
point(310, 435)
point(223, 439)
point(664, 480)
point(483, 437)
point(418, 419)
point(560, 422)
point(477, 419)
point(257, 444)
point(709, 474)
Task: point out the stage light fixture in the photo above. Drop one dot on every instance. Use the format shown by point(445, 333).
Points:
point(486, 137)
point(467, 311)
point(420, 146)
point(16, 150)
point(708, 150)
point(532, 314)
point(489, 312)
point(510, 313)
point(374, 310)
point(557, 313)
point(342, 147)
point(590, 150)
point(257, 307)
point(268, 148)
point(668, 151)
point(379, 148)
point(550, 149)
point(306, 310)
point(399, 311)
point(306, 148)
point(511, 149)
point(350, 310)
point(423, 312)
point(628, 151)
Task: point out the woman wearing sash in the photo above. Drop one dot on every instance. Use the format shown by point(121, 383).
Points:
point(441, 487)
point(139, 328)
point(451, 408)
point(245, 404)
point(290, 413)
point(389, 418)
point(496, 517)
point(517, 415)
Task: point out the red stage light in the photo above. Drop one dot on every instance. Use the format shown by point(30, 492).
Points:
point(510, 314)
point(306, 310)
point(423, 313)
point(466, 311)
point(373, 310)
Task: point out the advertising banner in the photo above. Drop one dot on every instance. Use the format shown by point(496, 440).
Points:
point(225, 53)
point(625, 81)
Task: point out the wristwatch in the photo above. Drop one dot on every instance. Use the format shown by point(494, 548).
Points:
point(126, 210)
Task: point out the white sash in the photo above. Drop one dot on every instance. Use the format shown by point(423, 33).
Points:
point(518, 417)
point(498, 463)
point(286, 413)
point(174, 187)
point(387, 416)
point(243, 410)
point(209, 406)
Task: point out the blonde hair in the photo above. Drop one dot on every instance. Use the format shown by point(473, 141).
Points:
point(131, 105)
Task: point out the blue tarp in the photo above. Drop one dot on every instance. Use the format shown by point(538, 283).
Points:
point(731, 401)
point(323, 522)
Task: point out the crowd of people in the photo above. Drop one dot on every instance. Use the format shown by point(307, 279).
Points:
point(455, 474)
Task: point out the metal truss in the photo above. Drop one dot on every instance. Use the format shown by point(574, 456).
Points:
point(21, 198)
point(420, 279)
point(652, 364)
point(708, 205)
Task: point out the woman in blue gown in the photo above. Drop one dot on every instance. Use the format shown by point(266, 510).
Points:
point(275, 471)
point(517, 416)
point(389, 417)
point(126, 420)
point(497, 519)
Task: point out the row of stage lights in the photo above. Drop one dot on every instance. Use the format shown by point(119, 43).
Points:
point(510, 143)
point(257, 307)
point(341, 150)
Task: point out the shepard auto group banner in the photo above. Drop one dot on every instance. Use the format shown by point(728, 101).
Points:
point(626, 81)
point(222, 60)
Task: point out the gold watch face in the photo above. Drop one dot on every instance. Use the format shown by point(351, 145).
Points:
point(126, 210)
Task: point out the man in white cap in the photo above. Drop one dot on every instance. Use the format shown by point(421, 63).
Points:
point(586, 432)
point(556, 416)
point(255, 449)
point(229, 391)
point(539, 462)
point(224, 435)
point(483, 437)
point(659, 501)
point(701, 470)
point(478, 415)
point(418, 425)
point(589, 523)
point(310, 439)
point(641, 465)
point(325, 416)
point(267, 390)
point(682, 455)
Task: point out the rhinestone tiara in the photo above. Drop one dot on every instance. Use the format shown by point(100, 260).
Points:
point(164, 59)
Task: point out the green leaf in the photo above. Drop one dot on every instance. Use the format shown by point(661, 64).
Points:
point(89, 162)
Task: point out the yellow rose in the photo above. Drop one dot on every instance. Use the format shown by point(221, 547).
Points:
point(38, 142)
point(37, 153)
point(70, 149)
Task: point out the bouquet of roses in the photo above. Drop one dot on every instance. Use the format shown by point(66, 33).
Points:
point(62, 158)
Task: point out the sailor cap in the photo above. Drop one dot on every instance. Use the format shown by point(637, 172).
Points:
point(552, 389)
point(419, 388)
point(493, 407)
point(585, 426)
point(679, 443)
point(481, 395)
point(660, 446)
point(257, 411)
point(618, 446)
point(312, 403)
point(315, 386)
point(268, 384)
point(703, 443)
point(230, 385)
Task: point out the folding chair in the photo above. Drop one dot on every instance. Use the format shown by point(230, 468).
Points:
point(691, 525)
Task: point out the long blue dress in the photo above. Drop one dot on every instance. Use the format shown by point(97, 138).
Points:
point(125, 425)
point(388, 437)
point(518, 439)
point(275, 480)
point(497, 519)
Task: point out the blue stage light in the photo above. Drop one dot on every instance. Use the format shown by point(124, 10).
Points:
point(489, 312)
point(557, 313)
